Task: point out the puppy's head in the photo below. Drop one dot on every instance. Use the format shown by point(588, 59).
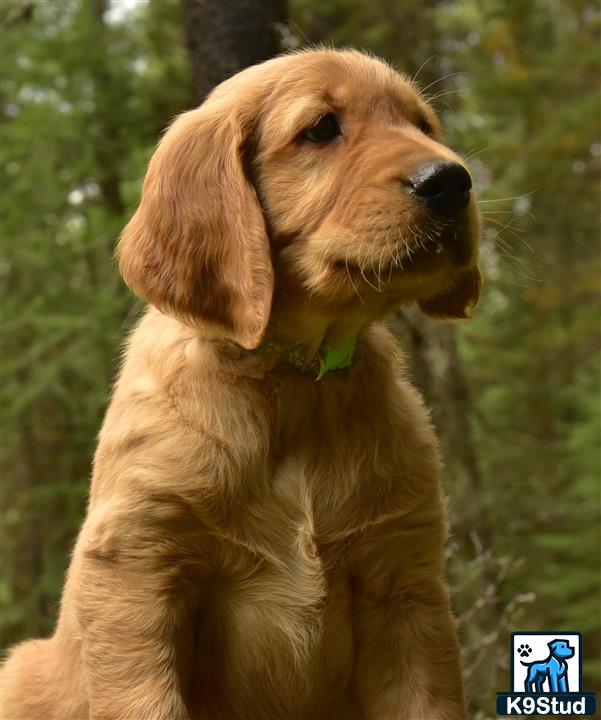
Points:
point(328, 167)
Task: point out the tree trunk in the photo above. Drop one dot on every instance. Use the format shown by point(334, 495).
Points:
point(107, 121)
point(225, 36)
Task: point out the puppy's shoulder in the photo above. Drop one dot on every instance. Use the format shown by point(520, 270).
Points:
point(176, 417)
point(171, 363)
point(381, 347)
point(386, 381)
point(384, 361)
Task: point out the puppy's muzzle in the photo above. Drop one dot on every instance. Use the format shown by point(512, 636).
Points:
point(444, 187)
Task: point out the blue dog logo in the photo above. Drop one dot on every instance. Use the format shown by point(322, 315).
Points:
point(549, 687)
point(553, 670)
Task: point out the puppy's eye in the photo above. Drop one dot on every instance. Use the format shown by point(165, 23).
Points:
point(425, 127)
point(324, 131)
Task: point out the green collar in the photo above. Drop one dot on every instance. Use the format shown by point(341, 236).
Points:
point(327, 359)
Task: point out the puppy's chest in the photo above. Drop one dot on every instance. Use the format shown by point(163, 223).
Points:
point(281, 619)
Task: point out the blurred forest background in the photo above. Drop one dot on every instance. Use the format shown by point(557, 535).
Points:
point(87, 88)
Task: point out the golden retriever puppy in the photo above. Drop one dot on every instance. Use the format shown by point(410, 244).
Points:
point(265, 530)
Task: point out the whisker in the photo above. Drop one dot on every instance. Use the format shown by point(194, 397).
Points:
point(390, 248)
point(375, 272)
point(521, 268)
point(413, 80)
point(473, 153)
point(397, 258)
point(443, 93)
point(362, 266)
point(504, 225)
point(444, 77)
point(300, 32)
point(348, 272)
point(508, 226)
point(443, 104)
point(384, 258)
point(515, 197)
point(362, 269)
point(519, 240)
point(515, 231)
point(499, 239)
point(380, 268)
point(517, 265)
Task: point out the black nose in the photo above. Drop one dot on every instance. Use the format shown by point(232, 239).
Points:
point(443, 186)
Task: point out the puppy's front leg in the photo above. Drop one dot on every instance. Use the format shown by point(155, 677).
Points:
point(128, 615)
point(407, 664)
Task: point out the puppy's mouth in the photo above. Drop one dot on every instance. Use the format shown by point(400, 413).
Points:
point(417, 255)
point(450, 245)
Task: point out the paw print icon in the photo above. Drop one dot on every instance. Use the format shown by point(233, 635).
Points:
point(524, 650)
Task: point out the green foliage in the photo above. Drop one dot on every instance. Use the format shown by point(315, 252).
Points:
point(85, 97)
point(532, 353)
point(84, 101)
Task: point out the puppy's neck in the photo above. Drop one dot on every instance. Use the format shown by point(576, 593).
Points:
point(310, 328)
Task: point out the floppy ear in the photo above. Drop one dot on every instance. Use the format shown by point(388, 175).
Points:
point(197, 246)
point(458, 301)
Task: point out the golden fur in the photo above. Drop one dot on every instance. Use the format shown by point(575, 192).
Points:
point(259, 545)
